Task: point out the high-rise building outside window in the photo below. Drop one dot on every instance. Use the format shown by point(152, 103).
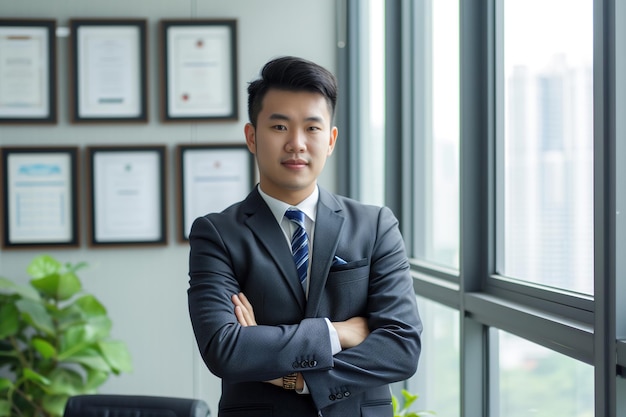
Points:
point(438, 128)
point(547, 190)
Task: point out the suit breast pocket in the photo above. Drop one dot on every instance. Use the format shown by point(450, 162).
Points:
point(345, 294)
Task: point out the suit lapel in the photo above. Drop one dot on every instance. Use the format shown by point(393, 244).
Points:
point(263, 224)
point(328, 224)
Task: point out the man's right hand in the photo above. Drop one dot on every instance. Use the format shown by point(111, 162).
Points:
point(351, 332)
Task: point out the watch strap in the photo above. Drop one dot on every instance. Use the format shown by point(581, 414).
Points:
point(289, 381)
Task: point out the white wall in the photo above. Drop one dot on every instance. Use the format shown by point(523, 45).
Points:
point(144, 289)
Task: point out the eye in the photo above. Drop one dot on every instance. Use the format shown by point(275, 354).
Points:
point(279, 127)
point(315, 128)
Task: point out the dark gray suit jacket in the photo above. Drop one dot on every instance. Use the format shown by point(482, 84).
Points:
point(244, 249)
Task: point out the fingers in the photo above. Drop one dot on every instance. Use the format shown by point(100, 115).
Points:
point(245, 302)
point(243, 310)
point(241, 318)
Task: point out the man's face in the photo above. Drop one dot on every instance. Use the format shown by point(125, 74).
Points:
point(291, 141)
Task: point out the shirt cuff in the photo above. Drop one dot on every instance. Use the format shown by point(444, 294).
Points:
point(335, 344)
point(305, 389)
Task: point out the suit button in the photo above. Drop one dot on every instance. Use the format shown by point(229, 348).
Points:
point(339, 396)
point(304, 364)
point(346, 394)
point(313, 363)
point(331, 397)
point(296, 364)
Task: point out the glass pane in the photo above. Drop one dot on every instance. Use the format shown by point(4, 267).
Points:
point(439, 166)
point(437, 380)
point(372, 130)
point(535, 381)
point(548, 143)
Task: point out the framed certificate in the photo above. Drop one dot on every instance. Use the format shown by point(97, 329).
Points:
point(199, 62)
point(28, 91)
point(108, 70)
point(40, 190)
point(127, 195)
point(211, 178)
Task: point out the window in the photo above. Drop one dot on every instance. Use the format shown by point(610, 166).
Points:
point(548, 143)
point(535, 381)
point(437, 381)
point(372, 89)
point(437, 131)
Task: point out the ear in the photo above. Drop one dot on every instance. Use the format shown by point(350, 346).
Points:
point(333, 139)
point(250, 133)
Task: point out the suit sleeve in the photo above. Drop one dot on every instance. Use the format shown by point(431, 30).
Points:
point(230, 351)
point(390, 353)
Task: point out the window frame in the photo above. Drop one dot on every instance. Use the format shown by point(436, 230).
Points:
point(580, 326)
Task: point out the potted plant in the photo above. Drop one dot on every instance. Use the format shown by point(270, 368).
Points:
point(404, 410)
point(54, 341)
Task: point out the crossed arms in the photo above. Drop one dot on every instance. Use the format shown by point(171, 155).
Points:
point(351, 332)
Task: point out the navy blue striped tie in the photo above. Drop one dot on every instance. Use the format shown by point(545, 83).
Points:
point(299, 244)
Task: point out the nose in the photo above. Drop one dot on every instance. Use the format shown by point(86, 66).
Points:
point(296, 143)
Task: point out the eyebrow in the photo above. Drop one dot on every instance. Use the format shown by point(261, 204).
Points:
point(279, 116)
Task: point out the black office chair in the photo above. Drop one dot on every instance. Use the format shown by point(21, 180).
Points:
point(104, 405)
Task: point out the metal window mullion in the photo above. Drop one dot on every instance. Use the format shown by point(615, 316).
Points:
point(604, 206)
point(394, 182)
point(348, 113)
point(476, 173)
point(421, 128)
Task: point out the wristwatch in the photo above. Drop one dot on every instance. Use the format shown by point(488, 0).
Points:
point(289, 381)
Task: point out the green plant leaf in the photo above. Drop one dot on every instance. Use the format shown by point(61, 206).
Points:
point(58, 286)
point(90, 306)
point(9, 287)
point(90, 358)
point(100, 326)
point(65, 381)
point(69, 316)
point(95, 378)
point(408, 398)
point(5, 408)
point(75, 339)
point(55, 404)
point(36, 315)
point(36, 377)
point(45, 348)
point(9, 320)
point(5, 383)
point(117, 355)
point(43, 265)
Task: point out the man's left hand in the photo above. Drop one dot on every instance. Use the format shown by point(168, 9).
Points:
point(243, 310)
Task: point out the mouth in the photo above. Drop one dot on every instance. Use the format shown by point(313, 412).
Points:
point(294, 163)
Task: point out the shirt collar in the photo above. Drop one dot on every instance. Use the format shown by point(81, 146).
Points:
point(308, 206)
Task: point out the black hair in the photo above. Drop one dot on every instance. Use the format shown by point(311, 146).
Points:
point(291, 74)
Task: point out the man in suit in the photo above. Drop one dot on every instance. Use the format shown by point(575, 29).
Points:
point(313, 319)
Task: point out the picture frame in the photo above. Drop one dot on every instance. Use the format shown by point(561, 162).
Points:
point(28, 84)
point(40, 189)
point(108, 70)
point(199, 70)
point(211, 177)
point(127, 195)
